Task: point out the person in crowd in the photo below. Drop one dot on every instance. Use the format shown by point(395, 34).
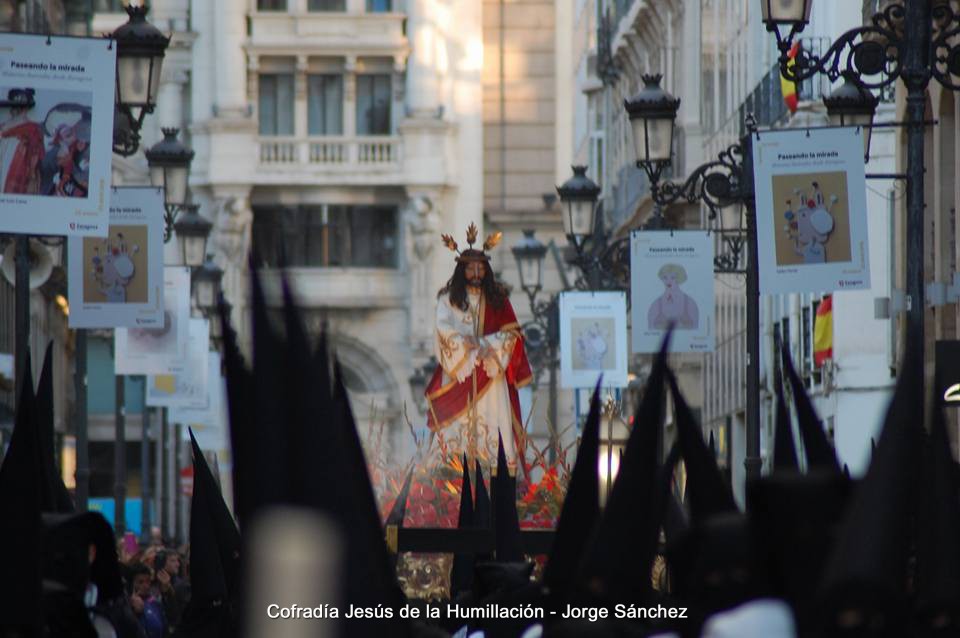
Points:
point(170, 585)
point(146, 604)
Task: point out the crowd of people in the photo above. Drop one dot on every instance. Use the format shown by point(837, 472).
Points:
point(156, 582)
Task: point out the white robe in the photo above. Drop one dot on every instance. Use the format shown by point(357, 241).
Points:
point(476, 430)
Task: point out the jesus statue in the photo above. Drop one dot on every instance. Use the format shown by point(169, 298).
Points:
point(472, 396)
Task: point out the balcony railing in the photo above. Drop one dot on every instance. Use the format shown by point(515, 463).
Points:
point(365, 151)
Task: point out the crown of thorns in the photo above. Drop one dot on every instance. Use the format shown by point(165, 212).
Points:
point(471, 253)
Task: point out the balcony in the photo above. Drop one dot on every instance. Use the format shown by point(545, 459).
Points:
point(327, 33)
point(341, 160)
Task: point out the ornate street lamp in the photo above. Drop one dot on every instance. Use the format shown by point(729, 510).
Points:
point(169, 162)
point(653, 113)
point(852, 104)
point(529, 253)
point(613, 440)
point(785, 12)
point(206, 285)
point(192, 232)
point(140, 50)
point(579, 196)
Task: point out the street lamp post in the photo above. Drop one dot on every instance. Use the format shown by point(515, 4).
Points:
point(140, 51)
point(911, 41)
point(541, 334)
point(192, 233)
point(169, 162)
point(726, 181)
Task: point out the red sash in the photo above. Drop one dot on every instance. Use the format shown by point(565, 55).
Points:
point(450, 402)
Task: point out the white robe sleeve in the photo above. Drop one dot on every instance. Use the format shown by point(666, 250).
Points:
point(455, 358)
point(501, 345)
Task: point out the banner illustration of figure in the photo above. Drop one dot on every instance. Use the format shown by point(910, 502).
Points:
point(114, 271)
point(674, 305)
point(592, 346)
point(472, 396)
point(65, 170)
point(809, 227)
point(21, 144)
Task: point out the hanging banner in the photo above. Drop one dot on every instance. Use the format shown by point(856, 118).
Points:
point(186, 388)
point(56, 132)
point(117, 281)
point(209, 423)
point(811, 210)
point(159, 350)
point(593, 339)
point(671, 282)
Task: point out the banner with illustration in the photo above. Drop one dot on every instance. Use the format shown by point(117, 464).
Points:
point(161, 350)
point(186, 388)
point(671, 282)
point(209, 423)
point(811, 210)
point(56, 132)
point(117, 280)
point(593, 339)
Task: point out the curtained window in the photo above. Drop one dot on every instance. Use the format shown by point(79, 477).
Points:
point(373, 104)
point(275, 105)
point(325, 105)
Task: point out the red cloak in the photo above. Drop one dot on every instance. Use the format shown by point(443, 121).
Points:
point(23, 176)
point(448, 402)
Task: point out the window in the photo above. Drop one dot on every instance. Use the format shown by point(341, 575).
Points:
point(326, 5)
point(276, 104)
point(373, 104)
point(271, 5)
point(327, 235)
point(325, 105)
point(379, 6)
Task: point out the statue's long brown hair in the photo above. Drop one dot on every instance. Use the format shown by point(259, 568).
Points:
point(494, 293)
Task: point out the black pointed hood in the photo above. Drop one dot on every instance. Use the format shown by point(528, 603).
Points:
point(581, 508)
point(626, 536)
point(795, 520)
point(712, 445)
point(66, 559)
point(461, 574)
point(312, 448)
point(675, 519)
point(55, 497)
point(399, 509)
point(20, 491)
point(367, 549)
point(269, 436)
point(215, 557)
point(707, 491)
point(509, 547)
point(482, 512)
point(784, 449)
point(867, 570)
point(241, 416)
point(820, 453)
point(938, 529)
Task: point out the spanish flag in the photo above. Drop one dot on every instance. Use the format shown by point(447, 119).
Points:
point(823, 332)
point(788, 88)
